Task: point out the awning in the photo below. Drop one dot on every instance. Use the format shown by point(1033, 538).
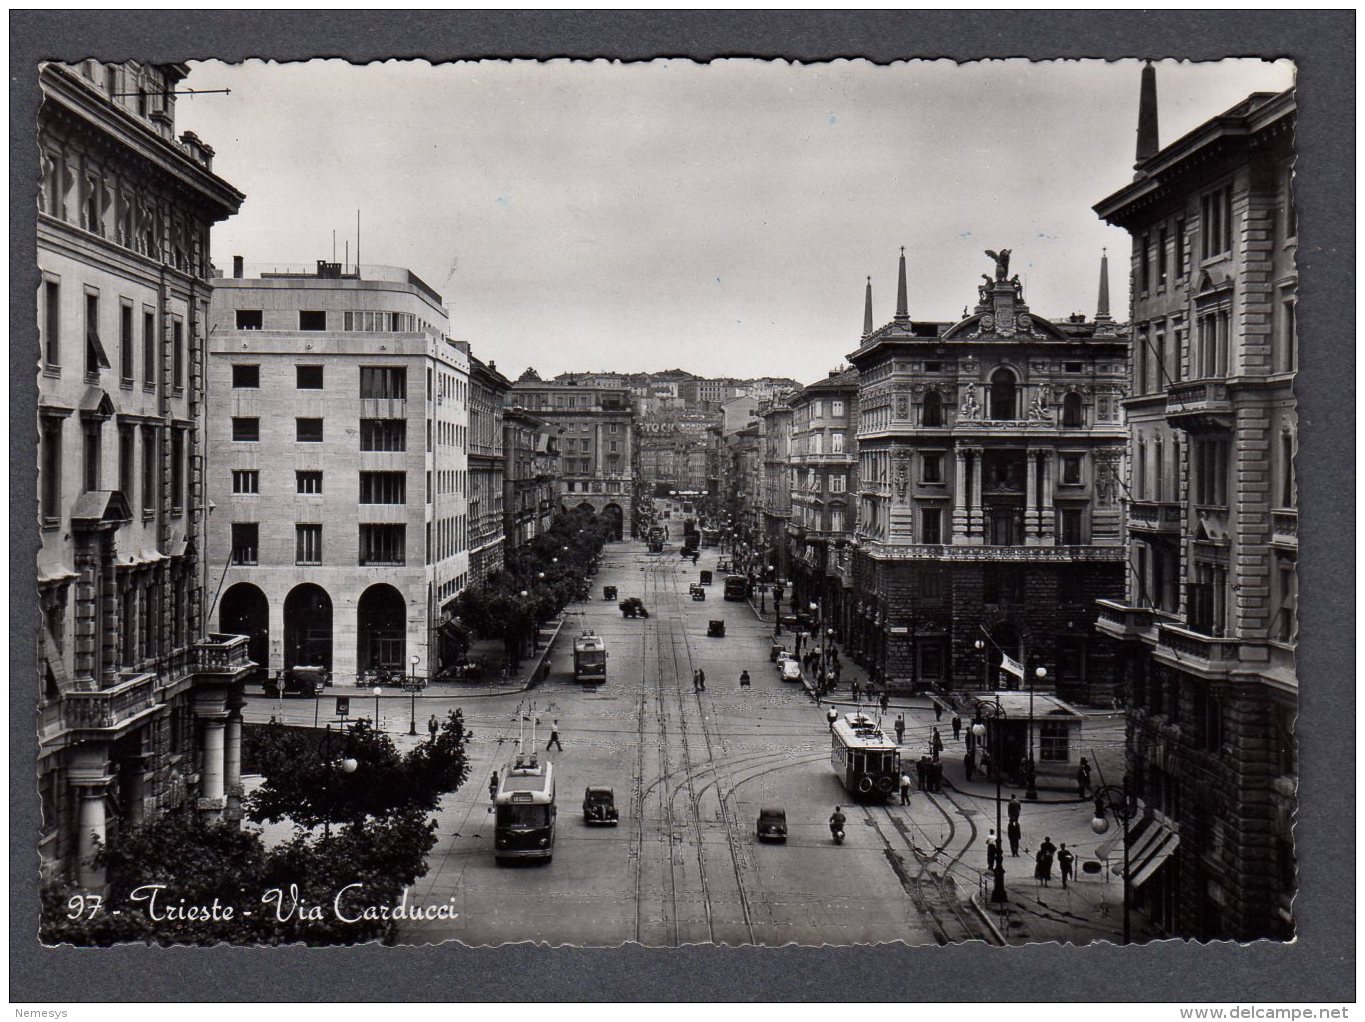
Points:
point(1159, 851)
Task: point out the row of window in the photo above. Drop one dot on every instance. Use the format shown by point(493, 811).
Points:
point(379, 544)
point(92, 443)
point(375, 434)
point(96, 359)
point(388, 382)
point(351, 321)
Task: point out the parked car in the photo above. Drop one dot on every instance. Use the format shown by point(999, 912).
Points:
point(791, 670)
point(715, 629)
point(698, 593)
point(632, 606)
point(772, 824)
point(298, 681)
point(782, 657)
point(599, 806)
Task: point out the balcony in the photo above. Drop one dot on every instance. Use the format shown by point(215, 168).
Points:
point(1123, 622)
point(1193, 651)
point(1202, 405)
point(111, 709)
point(383, 408)
point(1284, 528)
point(220, 655)
point(1154, 516)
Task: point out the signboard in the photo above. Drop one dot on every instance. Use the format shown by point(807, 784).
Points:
point(343, 706)
point(900, 630)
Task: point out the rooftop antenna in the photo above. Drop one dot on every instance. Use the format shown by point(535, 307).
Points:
point(357, 243)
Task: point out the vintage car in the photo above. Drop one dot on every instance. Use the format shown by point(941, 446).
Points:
point(599, 806)
point(715, 629)
point(631, 606)
point(723, 566)
point(608, 592)
point(772, 824)
point(698, 593)
point(297, 681)
point(705, 578)
point(791, 670)
point(775, 651)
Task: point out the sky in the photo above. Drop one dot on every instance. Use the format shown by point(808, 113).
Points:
point(719, 218)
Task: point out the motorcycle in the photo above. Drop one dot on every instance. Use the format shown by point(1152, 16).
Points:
point(836, 828)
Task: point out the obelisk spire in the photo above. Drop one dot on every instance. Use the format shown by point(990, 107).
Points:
point(867, 310)
point(1102, 308)
point(1146, 133)
point(902, 303)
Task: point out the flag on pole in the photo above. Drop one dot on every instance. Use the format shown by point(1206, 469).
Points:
point(1011, 665)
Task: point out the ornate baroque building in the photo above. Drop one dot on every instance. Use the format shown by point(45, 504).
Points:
point(598, 455)
point(989, 458)
point(138, 704)
point(775, 494)
point(1208, 619)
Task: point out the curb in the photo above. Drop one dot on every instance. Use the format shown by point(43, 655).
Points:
point(985, 917)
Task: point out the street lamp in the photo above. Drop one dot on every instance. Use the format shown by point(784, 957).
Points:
point(347, 765)
point(1031, 792)
point(979, 729)
point(377, 692)
point(1113, 798)
point(412, 693)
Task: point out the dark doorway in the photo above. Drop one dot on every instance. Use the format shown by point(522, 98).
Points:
point(1004, 398)
point(616, 517)
point(308, 627)
point(246, 611)
point(382, 630)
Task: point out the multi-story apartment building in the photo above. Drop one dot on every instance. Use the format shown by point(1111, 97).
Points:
point(597, 443)
point(138, 706)
point(823, 458)
point(1208, 620)
point(775, 491)
point(990, 452)
point(743, 489)
point(487, 392)
point(530, 476)
point(338, 431)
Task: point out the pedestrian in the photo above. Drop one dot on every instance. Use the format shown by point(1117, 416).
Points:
point(701, 678)
point(992, 851)
point(937, 768)
point(1045, 853)
point(743, 679)
point(493, 786)
point(905, 790)
point(900, 727)
point(855, 690)
point(885, 701)
point(938, 710)
point(969, 765)
point(836, 673)
point(1065, 860)
point(696, 686)
point(957, 727)
point(922, 773)
point(832, 716)
point(936, 743)
point(1014, 836)
point(1083, 777)
point(433, 725)
point(819, 691)
point(554, 738)
point(1013, 808)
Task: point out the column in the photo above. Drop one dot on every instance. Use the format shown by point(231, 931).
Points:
point(211, 792)
point(135, 788)
point(91, 837)
point(978, 511)
point(232, 763)
point(961, 524)
point(1047, 524)
point(1031, 522)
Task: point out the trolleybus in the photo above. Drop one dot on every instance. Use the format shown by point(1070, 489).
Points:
point(866, 760)
point(524, 825)
point(589, 659)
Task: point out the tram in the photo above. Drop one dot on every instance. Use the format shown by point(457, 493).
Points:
point(736, 587)
point(589, 659)
point(866, 760)
point(524, 824)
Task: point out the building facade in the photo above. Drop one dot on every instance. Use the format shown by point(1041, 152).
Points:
point(138, 704)
point(775, 492)
point(338, 438)
point(597, 443)
point(487, 391)
point(990, 452)
point(824, 464)
point(1208, 619)
point(530, 477)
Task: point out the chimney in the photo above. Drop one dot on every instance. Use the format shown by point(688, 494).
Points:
point(1146, 131)
point(1102, 307)
point(237, 267)
point(902, 303)
point(867, 311)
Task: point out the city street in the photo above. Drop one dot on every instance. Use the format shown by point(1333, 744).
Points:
point(690, 773)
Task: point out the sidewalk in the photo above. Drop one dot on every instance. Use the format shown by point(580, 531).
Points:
point(493, 683)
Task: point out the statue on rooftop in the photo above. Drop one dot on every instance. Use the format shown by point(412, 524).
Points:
point(1002, 263)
